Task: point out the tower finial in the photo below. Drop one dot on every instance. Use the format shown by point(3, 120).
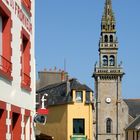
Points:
point(108, 1)
point(108, 19)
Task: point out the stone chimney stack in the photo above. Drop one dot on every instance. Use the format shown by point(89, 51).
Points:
point(62, 76)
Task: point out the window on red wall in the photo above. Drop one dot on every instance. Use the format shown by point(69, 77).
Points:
point(25, 61)
point(2, 124)
point(27, 5)
point(16, 126)
point(5, 42)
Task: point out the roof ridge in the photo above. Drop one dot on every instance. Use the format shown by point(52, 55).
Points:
point(133, 121)
point(132, 99)
point(51, 86)
point(54, 85)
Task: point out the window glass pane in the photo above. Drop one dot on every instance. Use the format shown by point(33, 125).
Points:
point(112, 60)
point(108, 125)
point(105, 60)
point(87, 96)
point(79, 96)
point(78, 127)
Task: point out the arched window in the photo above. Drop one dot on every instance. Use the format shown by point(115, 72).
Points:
point(111, 38)
point(108, 125)
point(103, 27)
point(105, 60)
point(113, 27)
point(108, 27)
point(108, 11)
point(0, 35)
point(106, 38)
point(112, 60)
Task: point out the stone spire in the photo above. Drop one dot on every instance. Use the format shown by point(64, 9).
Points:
point(108, 44)
point(108, 19)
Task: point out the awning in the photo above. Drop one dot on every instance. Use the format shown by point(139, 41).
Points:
point(42, 111)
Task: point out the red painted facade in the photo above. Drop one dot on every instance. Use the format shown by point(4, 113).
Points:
point(25, 60)
point(6, 65)
point(16, 29)
point(3, 114)
point(27, 5)
point(15, 116)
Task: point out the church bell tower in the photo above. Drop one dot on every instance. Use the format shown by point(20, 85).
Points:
point(108, 80)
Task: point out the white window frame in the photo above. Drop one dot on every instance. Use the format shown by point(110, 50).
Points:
point(79, 99)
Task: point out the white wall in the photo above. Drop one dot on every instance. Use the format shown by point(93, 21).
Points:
point(12, 92)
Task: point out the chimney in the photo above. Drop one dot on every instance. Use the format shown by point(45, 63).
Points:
point(68, 84)
point(62, 76)
point(45, 69)
point(55, 68)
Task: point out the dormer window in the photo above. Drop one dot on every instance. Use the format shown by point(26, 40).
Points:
point(88, 96)
point(79, 96)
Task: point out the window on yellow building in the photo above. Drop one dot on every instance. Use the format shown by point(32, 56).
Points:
point(78, 126)
point(87, 96)
point(79, 96)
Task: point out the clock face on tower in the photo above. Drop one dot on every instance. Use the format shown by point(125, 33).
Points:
point(108, 100)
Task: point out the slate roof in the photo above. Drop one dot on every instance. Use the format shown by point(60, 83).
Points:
point(134, 107)
point(135, 125)
point(60, 93)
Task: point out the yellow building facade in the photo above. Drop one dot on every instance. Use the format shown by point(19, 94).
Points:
point(72, 119)
point(81, 111)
